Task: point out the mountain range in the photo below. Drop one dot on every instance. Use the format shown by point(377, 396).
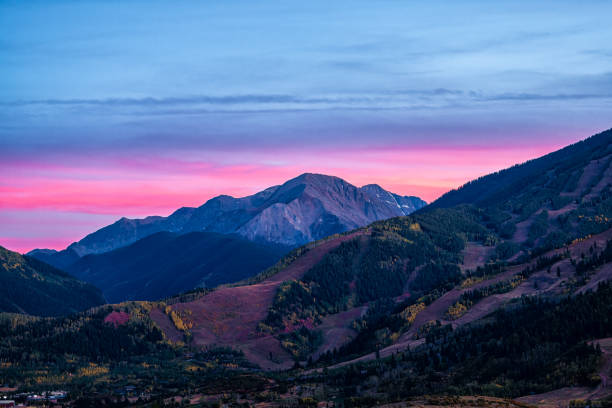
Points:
point(498, 288)
point(131, 259)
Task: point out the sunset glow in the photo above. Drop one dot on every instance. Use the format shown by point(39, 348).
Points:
point(101, 191)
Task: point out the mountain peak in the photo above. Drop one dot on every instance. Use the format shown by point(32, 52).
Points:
point(310, 178)
point(374, 188)
point(43, 251)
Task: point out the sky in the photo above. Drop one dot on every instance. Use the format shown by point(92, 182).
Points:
point(136, 108)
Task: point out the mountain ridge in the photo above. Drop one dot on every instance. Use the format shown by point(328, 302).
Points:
point(485, 189)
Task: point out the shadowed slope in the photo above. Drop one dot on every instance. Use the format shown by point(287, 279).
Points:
point(30, 286)
point(165, 263)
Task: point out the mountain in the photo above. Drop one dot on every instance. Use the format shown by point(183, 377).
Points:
point(165, 263)
point(313, 206)
point(408, 204)
point(30, 286)
point(562, 171)
point(306, 208)
point(545, 232)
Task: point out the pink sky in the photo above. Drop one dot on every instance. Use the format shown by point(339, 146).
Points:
point(53, 201)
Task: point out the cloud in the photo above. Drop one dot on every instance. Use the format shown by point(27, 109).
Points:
point(152, 101)
point(263, 99)
point(540, 97)
point(598, 87)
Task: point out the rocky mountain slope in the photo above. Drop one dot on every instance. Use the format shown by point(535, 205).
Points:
point(30, 286)
point(301, 210)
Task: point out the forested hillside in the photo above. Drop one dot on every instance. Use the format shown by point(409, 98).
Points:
point(96, 353)
point(30, 286)
point(545, 177)
point(417, 253)
point(542, 233)
point(534, 345)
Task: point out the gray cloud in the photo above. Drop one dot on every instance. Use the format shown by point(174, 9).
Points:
point(401, 98)
point(234, 99)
